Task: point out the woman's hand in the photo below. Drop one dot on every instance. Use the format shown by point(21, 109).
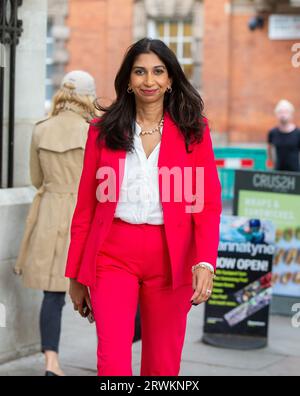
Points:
point(80, 297)
point(202, 284)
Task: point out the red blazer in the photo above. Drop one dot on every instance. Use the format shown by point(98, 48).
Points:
point(191, 237)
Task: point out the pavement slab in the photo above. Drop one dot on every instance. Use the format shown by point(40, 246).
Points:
point(79, 342)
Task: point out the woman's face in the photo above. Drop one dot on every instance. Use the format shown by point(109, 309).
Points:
point(149, 78)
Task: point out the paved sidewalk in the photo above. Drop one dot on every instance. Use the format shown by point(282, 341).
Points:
point(280, 358)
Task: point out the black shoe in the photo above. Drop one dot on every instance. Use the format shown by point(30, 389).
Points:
point(50, 374)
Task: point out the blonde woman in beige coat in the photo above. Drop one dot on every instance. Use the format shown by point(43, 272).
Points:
point(56, 159)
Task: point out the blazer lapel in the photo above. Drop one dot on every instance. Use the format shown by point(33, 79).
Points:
point(172, 155)
point(172, 149)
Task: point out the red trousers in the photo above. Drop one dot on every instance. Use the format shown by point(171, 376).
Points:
point(133, 266)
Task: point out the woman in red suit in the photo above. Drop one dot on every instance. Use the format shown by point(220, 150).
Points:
point(146, 224)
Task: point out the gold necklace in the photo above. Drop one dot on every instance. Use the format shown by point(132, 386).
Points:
point(157, 128)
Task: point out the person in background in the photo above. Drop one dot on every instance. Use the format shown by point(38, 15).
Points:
point(285, 139)
point(56, 159)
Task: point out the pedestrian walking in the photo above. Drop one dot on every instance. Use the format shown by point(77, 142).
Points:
point(56, 159)
point(284, 139)
point(135, 237)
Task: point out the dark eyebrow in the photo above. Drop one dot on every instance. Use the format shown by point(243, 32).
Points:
point(155, 67)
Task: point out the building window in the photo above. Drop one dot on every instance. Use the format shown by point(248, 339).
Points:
point(178, 36)
point(49, 67)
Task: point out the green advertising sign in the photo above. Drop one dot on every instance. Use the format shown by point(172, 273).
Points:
point(282, 209)
point(275, 196)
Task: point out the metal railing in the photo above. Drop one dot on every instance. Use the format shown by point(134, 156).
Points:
point(10, 31)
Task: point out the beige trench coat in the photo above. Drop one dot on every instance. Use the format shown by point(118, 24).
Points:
point(56, 160)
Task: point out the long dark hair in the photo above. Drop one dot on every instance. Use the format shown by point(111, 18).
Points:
point(184, 104)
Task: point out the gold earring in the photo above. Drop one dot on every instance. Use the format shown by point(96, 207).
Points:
point(129, 90)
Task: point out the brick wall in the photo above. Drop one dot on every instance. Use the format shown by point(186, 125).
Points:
point(245, 74)
point(101, 31)
point(216, 64)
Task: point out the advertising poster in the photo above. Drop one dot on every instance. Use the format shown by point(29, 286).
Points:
point(242, 291)
point(275, 196)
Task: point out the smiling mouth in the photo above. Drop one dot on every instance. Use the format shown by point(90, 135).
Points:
point(149, 91)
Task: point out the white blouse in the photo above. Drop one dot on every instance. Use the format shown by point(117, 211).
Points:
point(139, 200)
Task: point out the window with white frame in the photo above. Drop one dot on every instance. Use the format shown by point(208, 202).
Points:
point(178, 36)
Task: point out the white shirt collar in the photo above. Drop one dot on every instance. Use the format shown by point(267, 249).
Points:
point(138, 129)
